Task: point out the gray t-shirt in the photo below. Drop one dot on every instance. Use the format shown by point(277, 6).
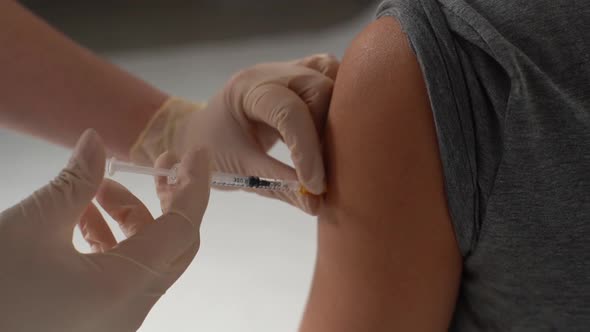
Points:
point(509, 85)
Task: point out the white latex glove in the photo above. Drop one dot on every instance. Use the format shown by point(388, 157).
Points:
point(258, 106)
point(46, 285)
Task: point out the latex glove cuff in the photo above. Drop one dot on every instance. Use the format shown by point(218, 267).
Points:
point(160, 132)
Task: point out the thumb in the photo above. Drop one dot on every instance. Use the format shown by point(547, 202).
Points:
point(159, 246)
point(62, 202)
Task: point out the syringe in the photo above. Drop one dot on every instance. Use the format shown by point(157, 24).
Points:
point(217, 179)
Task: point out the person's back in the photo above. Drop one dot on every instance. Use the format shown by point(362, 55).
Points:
point(509, 88)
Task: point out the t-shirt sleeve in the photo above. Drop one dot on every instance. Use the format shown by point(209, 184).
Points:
point(434, 45)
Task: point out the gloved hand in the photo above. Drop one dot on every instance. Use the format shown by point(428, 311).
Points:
point(46, 285)
point(258, 106)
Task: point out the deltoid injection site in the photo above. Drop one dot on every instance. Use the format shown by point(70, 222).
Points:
point(217, 179)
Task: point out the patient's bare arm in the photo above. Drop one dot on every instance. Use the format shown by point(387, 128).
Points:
point(387, 255)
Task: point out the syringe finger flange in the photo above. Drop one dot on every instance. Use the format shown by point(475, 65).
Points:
point(173, 176)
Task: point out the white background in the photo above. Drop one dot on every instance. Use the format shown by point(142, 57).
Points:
point(256, 260)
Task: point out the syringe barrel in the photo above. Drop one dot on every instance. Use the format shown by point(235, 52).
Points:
point(228, 180)
point(255, 182)
point(217, 179)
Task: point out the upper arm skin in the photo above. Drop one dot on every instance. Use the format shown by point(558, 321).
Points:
point(387, 255)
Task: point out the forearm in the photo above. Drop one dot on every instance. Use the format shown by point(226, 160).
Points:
point(54, 89)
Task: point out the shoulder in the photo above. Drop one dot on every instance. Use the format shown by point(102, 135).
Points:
point(380, 110)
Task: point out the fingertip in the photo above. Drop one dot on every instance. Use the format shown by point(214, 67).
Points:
point(325, 63)
point(311, 172)
point(89, 157)
point(329, 65)
point(115, 197)
point(95, 230)
point(166, 160)
point(106, 188)
point(79, 181)
point(315, 188)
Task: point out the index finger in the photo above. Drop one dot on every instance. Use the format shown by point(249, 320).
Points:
point(324, 63)
point(283, 109)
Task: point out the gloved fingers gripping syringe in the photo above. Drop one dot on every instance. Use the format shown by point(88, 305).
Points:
point(217, 179)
